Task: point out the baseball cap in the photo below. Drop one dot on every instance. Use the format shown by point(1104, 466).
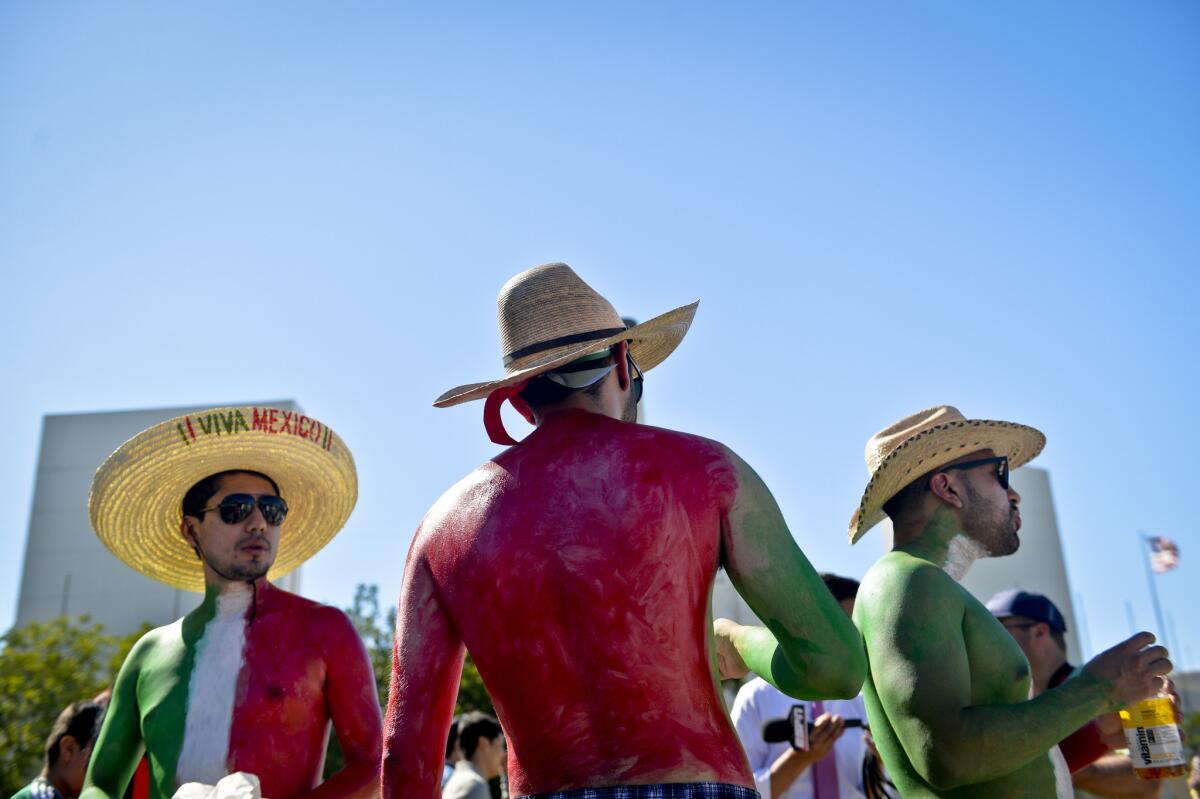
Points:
point(1015, 602)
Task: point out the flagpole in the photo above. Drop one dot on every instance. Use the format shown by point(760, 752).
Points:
point(1162, 628)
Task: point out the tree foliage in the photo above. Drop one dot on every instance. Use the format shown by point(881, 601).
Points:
point(378, 634)
point(45, 666)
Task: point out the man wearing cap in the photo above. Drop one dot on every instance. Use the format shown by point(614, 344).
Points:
point(1037, 625)
point(576, 566)
point(250, 681)
point(948, 689)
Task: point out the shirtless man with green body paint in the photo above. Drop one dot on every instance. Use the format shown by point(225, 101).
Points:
point(948, 689)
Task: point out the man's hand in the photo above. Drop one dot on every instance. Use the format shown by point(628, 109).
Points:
point(1133, 669)
point(729, 660)
point(794, 762)
point(824, 734)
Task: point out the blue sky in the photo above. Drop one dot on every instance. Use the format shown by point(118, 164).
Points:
point(880, 209)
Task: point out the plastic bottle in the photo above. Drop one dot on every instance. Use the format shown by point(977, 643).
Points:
point(1154, 743)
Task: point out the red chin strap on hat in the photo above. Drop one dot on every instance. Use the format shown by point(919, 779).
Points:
point(491, 412)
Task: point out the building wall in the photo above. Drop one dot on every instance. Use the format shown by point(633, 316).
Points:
point(67, 571)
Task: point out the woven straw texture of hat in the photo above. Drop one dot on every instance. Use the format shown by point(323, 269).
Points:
point(932, 447)
point(551, 302)
point(136, 496)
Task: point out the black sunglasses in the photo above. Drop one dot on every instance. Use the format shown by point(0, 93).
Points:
point(1001, 462)
point(637, 381)
point(235, 508)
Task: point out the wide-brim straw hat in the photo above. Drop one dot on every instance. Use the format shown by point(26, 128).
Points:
point(137, 493)
point(918, 444)
point(549, 316)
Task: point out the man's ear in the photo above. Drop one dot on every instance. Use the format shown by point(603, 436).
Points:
point(942, 487)
point(187, 529)
point(621, 348)
point(68, 749)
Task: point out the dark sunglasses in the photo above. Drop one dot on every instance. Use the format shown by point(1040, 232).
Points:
point(1001, 462)
point(637, 381)
point(236, 507)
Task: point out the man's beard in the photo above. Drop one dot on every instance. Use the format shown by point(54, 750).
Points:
point(630, 412)
point(994, 528)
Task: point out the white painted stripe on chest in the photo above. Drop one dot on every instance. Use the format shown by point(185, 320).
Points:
point(220, 654)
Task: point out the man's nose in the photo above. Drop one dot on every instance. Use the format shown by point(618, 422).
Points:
point(1013, 496)
point(256, 522)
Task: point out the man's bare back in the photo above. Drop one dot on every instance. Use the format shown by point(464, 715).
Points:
point(581, 587)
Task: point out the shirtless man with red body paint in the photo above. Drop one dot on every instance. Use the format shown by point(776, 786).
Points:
point(251, 680)
point(577, 568)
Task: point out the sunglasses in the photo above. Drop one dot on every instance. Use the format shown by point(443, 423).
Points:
point(637, 381)
point(1001, 467)
point(237, 507)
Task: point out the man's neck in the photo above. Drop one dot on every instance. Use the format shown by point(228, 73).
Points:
point(929, 539)
point(1043, 672)
point(227, 591)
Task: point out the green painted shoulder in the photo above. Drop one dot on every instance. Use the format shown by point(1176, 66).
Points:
point(155, 641)
point(899, 578)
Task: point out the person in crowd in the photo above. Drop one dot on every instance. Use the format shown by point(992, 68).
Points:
point(1039, 628)
point(837, 764)
point(481, 742)
point(948, 689)
point(68, 749)
point(576, 567)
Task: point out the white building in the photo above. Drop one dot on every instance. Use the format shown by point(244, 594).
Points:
point(67, 571)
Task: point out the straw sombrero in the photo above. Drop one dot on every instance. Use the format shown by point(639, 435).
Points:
point(136, 497)
point(549, 317)
point(919, 444)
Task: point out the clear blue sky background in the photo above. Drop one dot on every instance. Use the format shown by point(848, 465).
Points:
point(881, 208)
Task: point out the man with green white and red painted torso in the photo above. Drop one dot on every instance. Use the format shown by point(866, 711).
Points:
point(948, 690)
point(254, 678)
point(577, 566)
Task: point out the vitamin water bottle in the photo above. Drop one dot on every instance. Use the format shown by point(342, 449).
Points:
point(1154, 743)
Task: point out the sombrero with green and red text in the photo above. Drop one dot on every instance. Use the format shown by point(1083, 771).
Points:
point(548, 317)
point(136, 499)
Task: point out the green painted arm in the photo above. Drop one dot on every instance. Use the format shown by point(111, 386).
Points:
point(809, 648)
point(912, 620)
point(119, 746)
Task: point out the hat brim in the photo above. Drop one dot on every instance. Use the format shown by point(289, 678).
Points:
point(650, 343)
point(137, 493)
point(936, 447)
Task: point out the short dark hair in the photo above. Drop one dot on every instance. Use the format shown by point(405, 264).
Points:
point(842, 588)
point(1058, 639)
point(197, 497)
point(542, 392)
point(474, 726)
point(81, 720)
point(452, 738)
point(900, 501)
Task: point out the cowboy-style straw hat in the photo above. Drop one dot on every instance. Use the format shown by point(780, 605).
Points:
point(549, 317)
point(918, 444)
point(137, 493)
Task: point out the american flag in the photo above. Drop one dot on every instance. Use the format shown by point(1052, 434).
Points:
point(1164, 554)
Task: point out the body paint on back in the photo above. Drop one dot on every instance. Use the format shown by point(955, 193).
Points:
point(577, 568)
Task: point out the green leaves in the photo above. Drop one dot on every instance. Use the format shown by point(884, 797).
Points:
point(45, 666)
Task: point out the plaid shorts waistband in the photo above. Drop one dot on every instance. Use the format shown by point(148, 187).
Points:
point(668, 790)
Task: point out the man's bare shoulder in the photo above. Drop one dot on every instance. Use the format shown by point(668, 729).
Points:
point(472, 495)
point(900, 582)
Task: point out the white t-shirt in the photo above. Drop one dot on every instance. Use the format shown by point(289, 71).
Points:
point(759, 702)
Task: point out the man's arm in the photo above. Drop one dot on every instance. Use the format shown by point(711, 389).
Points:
point(353, 705)
point(119, 745)
point(809, 648)
point(1112, 776)
point(427, 662)
point(913, 627)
